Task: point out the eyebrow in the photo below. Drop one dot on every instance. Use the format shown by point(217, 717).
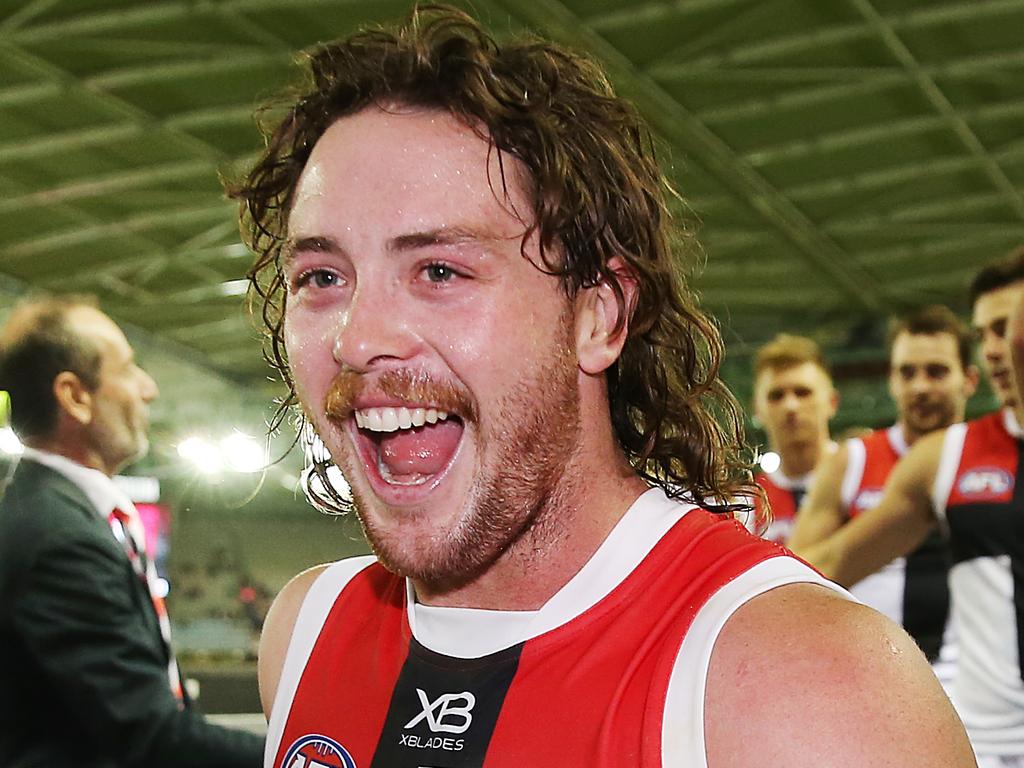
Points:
point(316, 243)
point(442, 236)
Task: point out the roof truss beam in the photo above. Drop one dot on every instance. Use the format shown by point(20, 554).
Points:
point(674, 122)
point(942, 104)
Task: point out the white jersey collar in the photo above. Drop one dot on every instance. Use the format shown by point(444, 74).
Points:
point(1011, 424)
point(897, 439)
point(471, 633)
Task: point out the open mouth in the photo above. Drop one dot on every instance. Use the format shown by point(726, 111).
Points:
point(408, 446)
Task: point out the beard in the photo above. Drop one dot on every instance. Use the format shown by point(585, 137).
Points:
point(927, 417)
point(523, 453)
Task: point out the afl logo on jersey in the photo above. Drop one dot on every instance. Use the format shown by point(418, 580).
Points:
point(987, 482)
point(315, 751)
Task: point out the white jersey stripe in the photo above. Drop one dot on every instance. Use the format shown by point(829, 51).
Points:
point(856, 459)
point(949, 463)
point(682, 732)
point(310, 620)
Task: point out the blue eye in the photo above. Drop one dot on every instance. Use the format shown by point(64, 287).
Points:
point(318, 278)
point(439, 273)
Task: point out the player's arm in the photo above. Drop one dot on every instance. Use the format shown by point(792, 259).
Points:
point(823, 681)
point(898, 524)
point(822, 513)
point(277, 633)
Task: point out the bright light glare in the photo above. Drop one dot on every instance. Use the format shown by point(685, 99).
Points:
point(9, 442)
point(206, 456)
point(243, 453)
point(161, 587)
point(234, 287)
point(770, 461)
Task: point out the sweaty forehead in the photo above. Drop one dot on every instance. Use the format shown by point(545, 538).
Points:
point(406, 168)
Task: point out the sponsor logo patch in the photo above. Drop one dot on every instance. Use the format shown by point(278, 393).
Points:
point(316, 751)
point(449, 713)
point(986, 482)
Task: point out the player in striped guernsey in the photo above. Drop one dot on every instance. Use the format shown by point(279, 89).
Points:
point(793, 401)
point(965, 477)
point(930, 380)
point(484, 322)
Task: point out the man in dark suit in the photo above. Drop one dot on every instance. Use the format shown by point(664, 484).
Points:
point(87, 677)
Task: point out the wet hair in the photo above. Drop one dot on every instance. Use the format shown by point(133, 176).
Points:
point(36, 344)
point(786, 351)
point(998, 275)
point(928, 321)
point(595, 192)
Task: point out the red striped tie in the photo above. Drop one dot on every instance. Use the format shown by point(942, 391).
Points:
point(127, 528)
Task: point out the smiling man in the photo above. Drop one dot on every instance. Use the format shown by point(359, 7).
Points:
point(464, 254)
point(930, 380)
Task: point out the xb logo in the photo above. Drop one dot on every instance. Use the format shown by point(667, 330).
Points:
point(449, 706)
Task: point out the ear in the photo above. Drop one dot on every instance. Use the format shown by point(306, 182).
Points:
point(602, 320)
point(833, 403)
point(73, 397)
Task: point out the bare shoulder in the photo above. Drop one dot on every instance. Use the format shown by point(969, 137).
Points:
point(277, 632)
point(816, 679)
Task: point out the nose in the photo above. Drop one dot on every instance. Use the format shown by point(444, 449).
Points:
point(919, 383)
point(374, 331)
point(992, 346)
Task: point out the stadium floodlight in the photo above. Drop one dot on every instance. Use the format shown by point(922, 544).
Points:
point(206, 457)
point(243, 453)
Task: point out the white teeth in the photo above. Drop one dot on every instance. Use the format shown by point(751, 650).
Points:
point(404, 419)
point(388, 420)
point(393, 419)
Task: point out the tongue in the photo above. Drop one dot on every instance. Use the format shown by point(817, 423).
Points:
point(423, 450)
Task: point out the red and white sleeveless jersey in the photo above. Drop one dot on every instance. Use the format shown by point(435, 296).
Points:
point(869, 461)
point(913, 591)
point(609, 672)
point(784, 495)
point(979, 494)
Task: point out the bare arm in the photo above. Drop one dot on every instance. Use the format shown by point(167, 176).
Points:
point(822, 512)
point(277, 633)
point(895, 527)
point(816, 680)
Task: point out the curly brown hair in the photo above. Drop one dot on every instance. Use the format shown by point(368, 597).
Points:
point(596, 192)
